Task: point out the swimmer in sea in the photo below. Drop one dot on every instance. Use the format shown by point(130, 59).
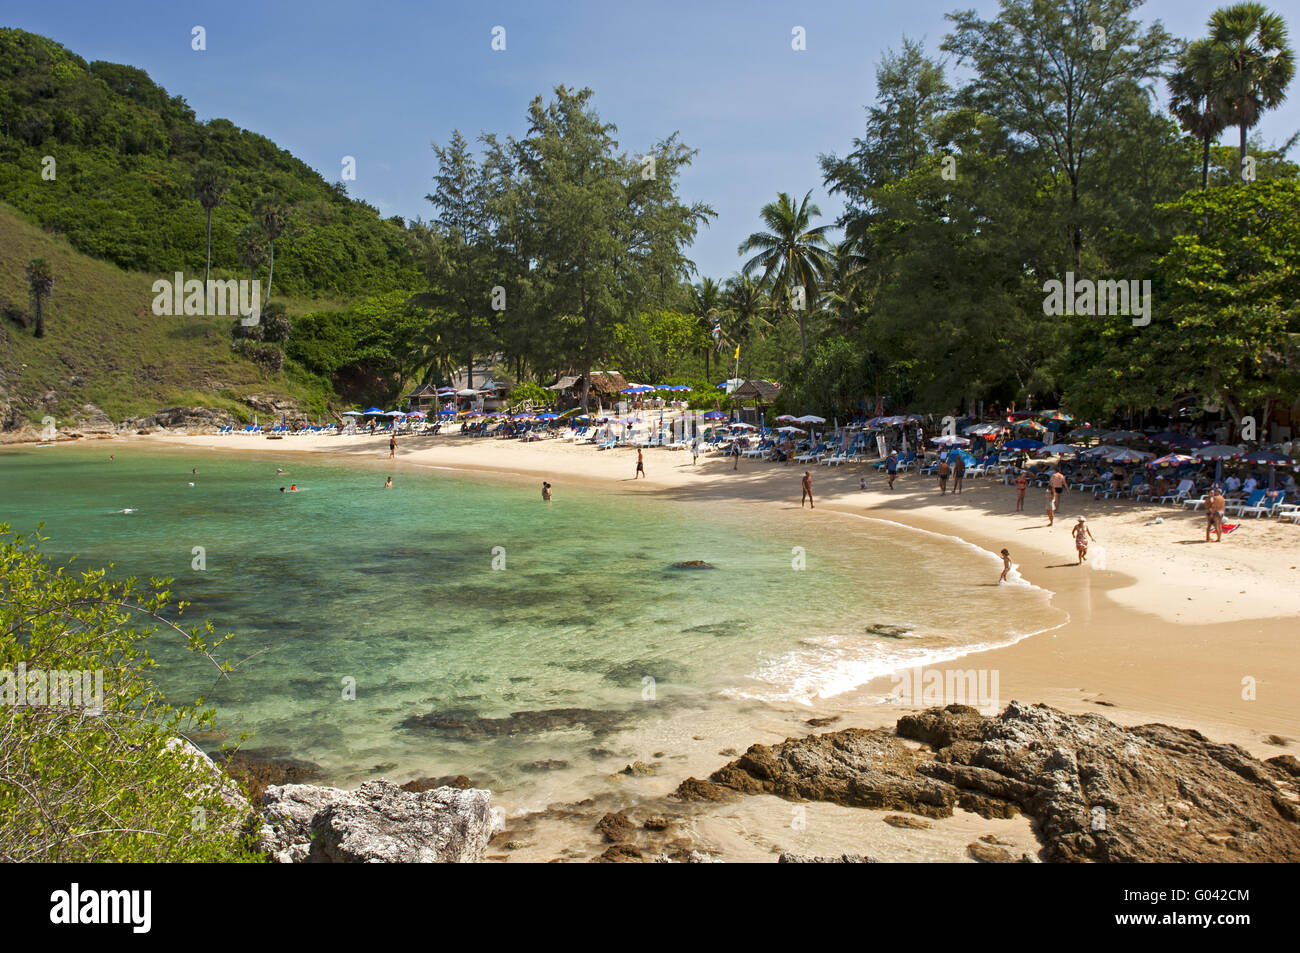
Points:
point(388, 484)
point(129, 509)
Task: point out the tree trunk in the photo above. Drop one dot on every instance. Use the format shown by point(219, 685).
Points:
point(270, 275)
point(1241, 152)
point(207, 268)
point(707, 349)
point(40, 319)
point(1205, 165)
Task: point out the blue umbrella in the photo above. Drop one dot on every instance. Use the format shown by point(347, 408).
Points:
point(1023, 445)
point(548, 416)
point(371, 410)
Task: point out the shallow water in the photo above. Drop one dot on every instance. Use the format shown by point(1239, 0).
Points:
point(454, 600)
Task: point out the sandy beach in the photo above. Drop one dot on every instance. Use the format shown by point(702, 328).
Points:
point(1172, 630)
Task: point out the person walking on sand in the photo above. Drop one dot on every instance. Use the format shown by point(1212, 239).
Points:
point(1081, 536)
point(392, 447)
point(546, 491)
point(891, 467)
point(1214, 508)
point(640, 465)
point(958, 473)
point(695, 452)
point(1057, 485)
point(944, 470)
point(1006, 566)
point(1022, 484)
point(1051, 506)
point(807, 490)
point(735, 454)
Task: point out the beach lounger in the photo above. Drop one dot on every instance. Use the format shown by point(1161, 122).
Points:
point(1251, 502)
point(1265, 507)
point(1180, 494)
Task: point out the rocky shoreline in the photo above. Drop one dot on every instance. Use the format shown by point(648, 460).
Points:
point(1094, 792)
point(91, 422)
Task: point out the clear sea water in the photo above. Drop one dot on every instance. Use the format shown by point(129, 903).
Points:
point(583, 612)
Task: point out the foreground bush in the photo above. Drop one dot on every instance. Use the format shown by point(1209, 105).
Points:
point(90, 768)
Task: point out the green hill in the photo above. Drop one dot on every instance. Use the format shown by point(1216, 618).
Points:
point(104, 345)
point(125, 152)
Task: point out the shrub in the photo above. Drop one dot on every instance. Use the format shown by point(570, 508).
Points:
point(79, 784)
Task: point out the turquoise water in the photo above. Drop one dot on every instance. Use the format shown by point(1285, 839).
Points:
point(397, 590)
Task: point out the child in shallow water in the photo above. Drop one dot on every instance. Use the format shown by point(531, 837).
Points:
point(1006, 566)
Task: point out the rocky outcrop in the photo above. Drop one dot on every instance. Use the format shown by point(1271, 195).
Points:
point(841, 859)
point(466, 724)
point(1095, 791)
point(213, 779)
point(377, 823)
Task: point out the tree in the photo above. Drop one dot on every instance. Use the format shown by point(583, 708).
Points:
point(90, 765)
point(1055, 73)
point(706, 300)
point(793, 254)
point(209, 184)
point(1193, 101)
point(273, 216)
point(252, 249)
point(605, 232)
point(40, 280)
point(1252, 63)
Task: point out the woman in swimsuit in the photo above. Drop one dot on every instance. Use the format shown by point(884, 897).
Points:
point(1081, 536)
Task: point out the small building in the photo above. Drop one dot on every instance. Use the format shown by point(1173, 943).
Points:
point(605, 386)
point(422, 397)
point(754, 397)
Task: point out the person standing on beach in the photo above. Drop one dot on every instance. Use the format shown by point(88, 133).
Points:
point(392, 446)
point(944, 470)
point(807, 490)
point(695, 451)
point(891, 467)
point(1051, 506)
point(1214, 508)
point(1022, 484)
point(958, 473)
point(1057, 485)
point(640, 465)
point(735, 454)
point(1006, 566)
point(1081, 536)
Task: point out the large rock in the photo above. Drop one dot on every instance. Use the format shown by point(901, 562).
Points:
point(212, 778)
point(1096, 791)
point(377, 823)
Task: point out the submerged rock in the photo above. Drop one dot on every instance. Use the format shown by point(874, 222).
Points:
point(692, 564)
point(462, 724)
point(377, 823)
point(841, 859)
point(1096, 791)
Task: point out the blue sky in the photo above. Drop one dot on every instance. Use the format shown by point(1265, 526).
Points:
point(379, 80)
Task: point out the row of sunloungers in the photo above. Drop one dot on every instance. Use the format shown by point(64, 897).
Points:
point(277, 430)
point(1257, 503)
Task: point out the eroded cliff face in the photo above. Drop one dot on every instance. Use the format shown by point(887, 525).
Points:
point(1095, 791)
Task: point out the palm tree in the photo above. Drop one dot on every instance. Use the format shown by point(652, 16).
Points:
point(746, 307)
point(41, 282)
point(845, 285)
point(209, 186)
point(706, 301)
point(1193, 102)
point(252, 249)
point(792, 254)
point(272, 215)
point(1252, 63)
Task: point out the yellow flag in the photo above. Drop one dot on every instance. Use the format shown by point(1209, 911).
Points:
point(737, 357)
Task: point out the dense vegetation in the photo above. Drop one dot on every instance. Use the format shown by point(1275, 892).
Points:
point(89, 769)
point(120, 180)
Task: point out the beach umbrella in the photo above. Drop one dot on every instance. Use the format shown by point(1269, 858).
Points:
point(1056, 415)
point(371, 411)
point(789, 430)
point(811, 419)
point(1061, 448)
point(1172, 460)
point(417, 413)
point(351, 413)
point(548, 416)
point(1119, 436)
point(1023, 444)
point(1272, 459)
point(948, 440)
point(953, 455)
point(1187, 442)
point(1124, 455)
point(719, 415)
point(982, 430)
point(786, 419)
point(467, 392)
point(1218, 453)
